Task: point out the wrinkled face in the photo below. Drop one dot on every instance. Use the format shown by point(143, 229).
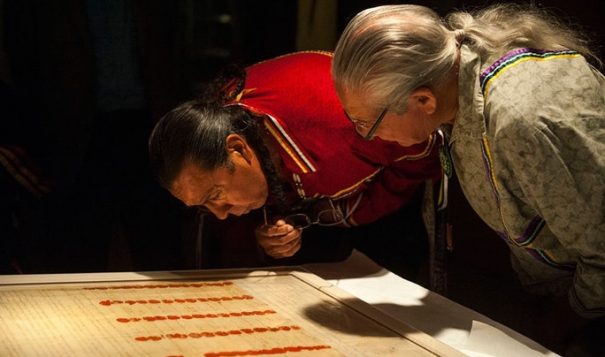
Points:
point(411, 127)
point(224, 191)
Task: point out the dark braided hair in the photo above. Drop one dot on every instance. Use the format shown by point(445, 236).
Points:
point(197, 130)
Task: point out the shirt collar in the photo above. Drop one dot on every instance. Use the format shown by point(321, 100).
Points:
point(469, 119)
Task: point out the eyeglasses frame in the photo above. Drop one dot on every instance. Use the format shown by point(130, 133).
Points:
point(311, 222)
point(377, 122)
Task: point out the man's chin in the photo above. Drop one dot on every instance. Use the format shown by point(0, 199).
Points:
point(258, 205)
point(404, 143)
point(410, 142)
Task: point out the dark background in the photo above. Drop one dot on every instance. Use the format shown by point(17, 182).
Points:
point(83, 82)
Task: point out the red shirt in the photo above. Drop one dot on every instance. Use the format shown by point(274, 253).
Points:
point(322, 154)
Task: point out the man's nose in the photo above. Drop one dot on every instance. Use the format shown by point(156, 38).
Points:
point(361, 131)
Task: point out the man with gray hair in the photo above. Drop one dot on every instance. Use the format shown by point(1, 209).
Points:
point(524, 114)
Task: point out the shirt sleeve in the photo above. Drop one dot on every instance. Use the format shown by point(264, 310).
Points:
point(556, 166)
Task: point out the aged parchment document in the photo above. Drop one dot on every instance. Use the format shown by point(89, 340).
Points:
point(222, 313)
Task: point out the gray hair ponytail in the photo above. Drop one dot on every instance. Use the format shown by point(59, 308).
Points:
point(386, 52)
point(503, 27)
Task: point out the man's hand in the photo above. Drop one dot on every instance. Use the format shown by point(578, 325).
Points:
point(280, 240)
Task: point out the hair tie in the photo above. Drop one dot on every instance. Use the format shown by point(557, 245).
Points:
point(234, 91)
point(459, 35)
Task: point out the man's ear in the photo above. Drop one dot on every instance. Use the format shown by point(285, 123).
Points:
point(424, 100)
point(237, 145)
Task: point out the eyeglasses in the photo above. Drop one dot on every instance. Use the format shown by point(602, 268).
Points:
point(328, 217)
point(370, 133)
point(374, 126)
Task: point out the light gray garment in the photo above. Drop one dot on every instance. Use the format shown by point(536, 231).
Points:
point(529, 152)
